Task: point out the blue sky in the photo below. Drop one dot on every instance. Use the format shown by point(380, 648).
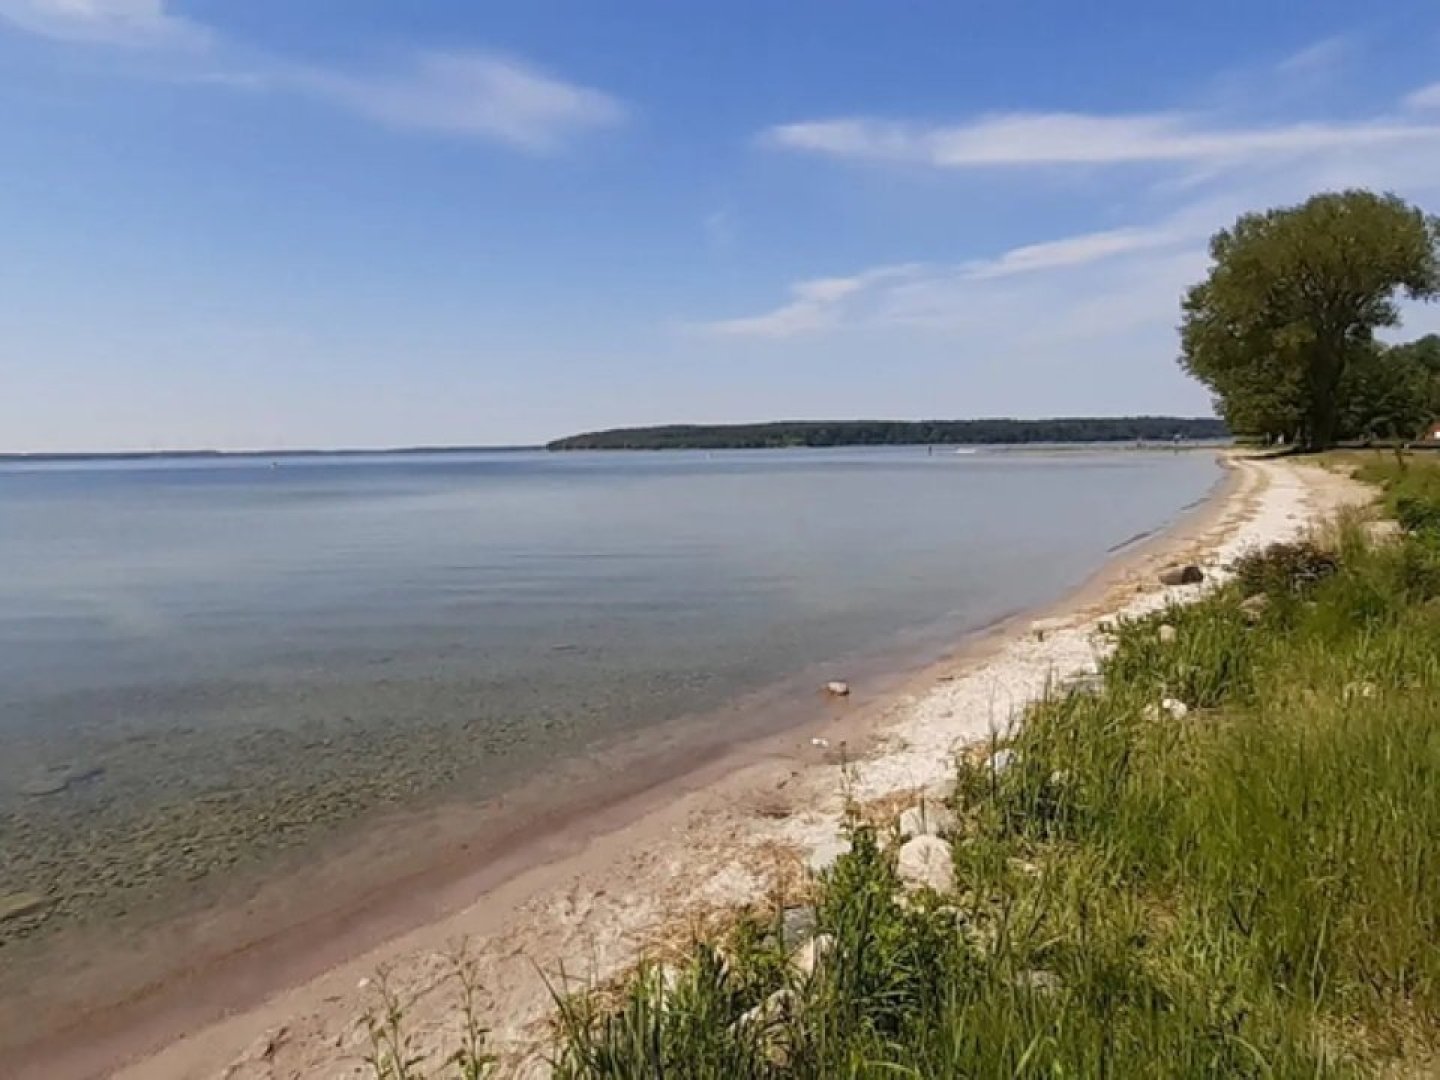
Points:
point(361, 222)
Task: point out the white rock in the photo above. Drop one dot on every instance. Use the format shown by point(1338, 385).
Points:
point(812, 954)
point(1253, 607)
point(823, 857)
point(769, 1012)
point(1168, 634)
point(927, 819)
point(1001, 760)
point(1359, 690)
point(838, 687)
point(926, 861)
point(1177, 709)
point(823, 744)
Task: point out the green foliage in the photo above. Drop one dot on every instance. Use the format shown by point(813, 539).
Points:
point(1387, 393)
point(1412, 490)
point(897, 433)
point(1291, 304)
point(1245, 891)
point(1424, 353)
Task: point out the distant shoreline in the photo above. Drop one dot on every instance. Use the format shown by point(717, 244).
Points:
point(209, 455)
point(815, 434)
point(767, 435)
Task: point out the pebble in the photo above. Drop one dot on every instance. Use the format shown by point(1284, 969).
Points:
point(1177, 709)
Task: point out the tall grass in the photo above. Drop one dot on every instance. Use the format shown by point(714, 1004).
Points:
point(1252, 889)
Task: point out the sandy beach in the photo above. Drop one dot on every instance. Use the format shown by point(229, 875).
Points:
point(640, 876)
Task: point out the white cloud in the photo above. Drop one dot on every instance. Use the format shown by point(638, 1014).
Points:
point(1427, 97)
point(814, 305)
point(1019, 139)
point(1119, 285)
point(1319, 58)
point(468, 93)
point(146, 23)
point(1072, 251)
point(919, 294)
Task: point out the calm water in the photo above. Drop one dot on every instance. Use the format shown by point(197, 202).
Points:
point(218, 643)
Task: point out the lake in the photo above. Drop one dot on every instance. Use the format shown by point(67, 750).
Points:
point(205, 663)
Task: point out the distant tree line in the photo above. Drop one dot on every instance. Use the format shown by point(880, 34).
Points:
point(1282, 329)
point(783, 434)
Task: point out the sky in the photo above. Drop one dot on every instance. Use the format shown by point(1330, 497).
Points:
point(324, 223)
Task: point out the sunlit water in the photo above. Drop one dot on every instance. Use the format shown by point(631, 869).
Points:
point(303, 641)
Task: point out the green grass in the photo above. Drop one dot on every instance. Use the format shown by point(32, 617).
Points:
point(1252, 890)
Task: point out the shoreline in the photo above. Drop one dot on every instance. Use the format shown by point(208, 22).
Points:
point(595, 888)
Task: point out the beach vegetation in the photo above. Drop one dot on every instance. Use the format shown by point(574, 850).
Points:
point(1243, 888)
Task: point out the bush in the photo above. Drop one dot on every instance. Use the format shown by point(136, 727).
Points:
point(1284, 569)
point(1417, 514)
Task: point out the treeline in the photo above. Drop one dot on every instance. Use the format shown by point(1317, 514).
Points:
point(783, 434)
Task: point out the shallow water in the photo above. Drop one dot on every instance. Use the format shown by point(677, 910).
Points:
point(205, 661)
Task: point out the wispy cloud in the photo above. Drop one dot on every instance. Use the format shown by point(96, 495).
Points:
point(1073, 251)
point(1319, 58)
point(469, 94)
point(1427, 97)
point(472, 94)
point(1031, 139)
point(814, 305)
point(133, 23)
point(1112, 282)
point(720, 228)
point(924, 294)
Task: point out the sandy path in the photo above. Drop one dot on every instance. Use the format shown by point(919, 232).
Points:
point(735, 840)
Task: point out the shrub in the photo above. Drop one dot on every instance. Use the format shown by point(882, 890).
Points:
point(1417, 514)
point(1284, 569)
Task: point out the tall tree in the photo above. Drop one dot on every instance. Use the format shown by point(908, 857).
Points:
point(1294, 296)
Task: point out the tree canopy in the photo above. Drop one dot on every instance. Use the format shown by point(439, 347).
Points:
point(1282, 329)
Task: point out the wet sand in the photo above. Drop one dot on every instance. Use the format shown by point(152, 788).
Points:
point(645, 844)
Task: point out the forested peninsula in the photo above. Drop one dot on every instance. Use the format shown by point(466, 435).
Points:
point(789, 433)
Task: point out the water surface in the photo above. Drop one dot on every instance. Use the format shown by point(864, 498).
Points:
point(204, 661)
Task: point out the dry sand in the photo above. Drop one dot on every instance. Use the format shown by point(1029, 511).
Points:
point(745, 834)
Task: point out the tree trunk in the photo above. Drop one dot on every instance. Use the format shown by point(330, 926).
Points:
point(1327, 365)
